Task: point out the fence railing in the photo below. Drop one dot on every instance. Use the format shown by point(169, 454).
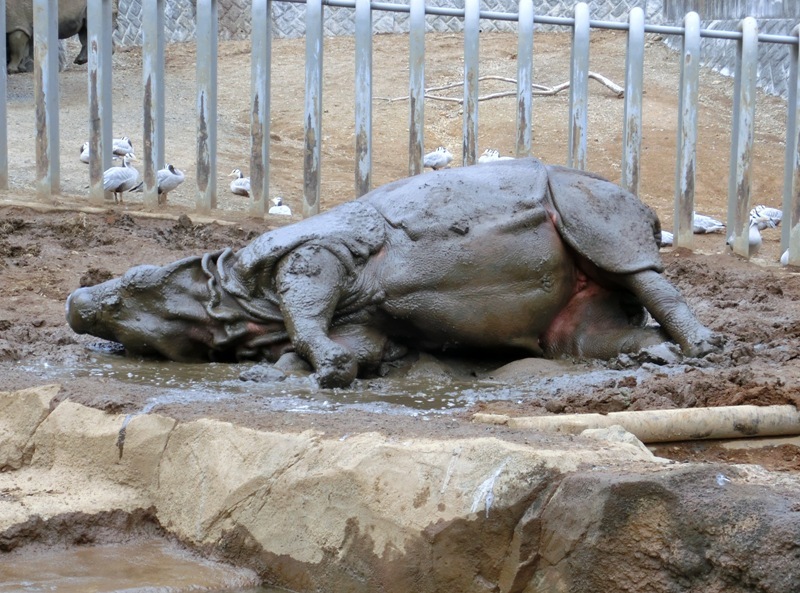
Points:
point(746, 37)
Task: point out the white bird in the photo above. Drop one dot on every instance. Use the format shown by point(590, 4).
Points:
point(702, 224)
point(122, 178)
point(241, 184)
point(785, 258)
point(279, 208)
point(167, 179)
point(766, 217)
point(85, 153)
point(753, 239)
point(122, 146)
point(489, 155)
point(438, 159)
point(666, 239)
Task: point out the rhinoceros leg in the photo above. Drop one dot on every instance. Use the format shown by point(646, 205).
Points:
point(18, 51)
point(83, 55)
point(310, 282)
point(669, 308)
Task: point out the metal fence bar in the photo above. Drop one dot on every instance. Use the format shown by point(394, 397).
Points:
point(100, 107)
point(742, 137)
point(260, 88)
point(524, 78)
point(471, 55)
point(416, 87)
point(579, 89)
point(556, 20)
point(790, 231)
point(313, 108)
point(686, 161)
point(153, 109)
point(632, 126)
point(45, 81)
point(207, 26)
point(363, 172)
point(3, 99)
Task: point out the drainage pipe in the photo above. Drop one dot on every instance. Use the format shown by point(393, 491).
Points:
point(658, 426)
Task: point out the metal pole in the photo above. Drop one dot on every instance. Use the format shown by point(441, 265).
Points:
point(686, 163)
point(579, 88)
point(524, 78)
point(742, 137)
point(3, 105)
point(472, 10)
point(45, 76)
point(313, 109)
point(260, 87)
point(363, 173)
point(632, 127)
point(153, 112)
point(416, 86)
point(790, 231)
point(100, 110)
point(207, 26)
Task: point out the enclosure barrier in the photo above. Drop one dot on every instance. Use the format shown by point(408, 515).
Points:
point(746, 37)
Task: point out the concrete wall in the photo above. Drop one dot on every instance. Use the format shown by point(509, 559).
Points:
point(774, 16)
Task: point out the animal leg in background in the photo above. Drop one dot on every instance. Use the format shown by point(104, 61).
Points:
point(310, 282)
point(670, 309)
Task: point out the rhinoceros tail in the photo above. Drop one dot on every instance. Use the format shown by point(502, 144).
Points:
point(609, 226)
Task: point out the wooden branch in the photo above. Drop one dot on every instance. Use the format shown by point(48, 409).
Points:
point(537, 89)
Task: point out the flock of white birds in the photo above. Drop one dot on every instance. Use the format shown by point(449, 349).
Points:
point(124, 177)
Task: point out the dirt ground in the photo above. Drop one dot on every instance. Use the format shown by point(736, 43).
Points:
point(49, 250)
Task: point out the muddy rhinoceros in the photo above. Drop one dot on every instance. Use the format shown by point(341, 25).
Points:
point(507, 255)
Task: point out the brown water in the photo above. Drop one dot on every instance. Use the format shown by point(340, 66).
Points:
point(154, 566)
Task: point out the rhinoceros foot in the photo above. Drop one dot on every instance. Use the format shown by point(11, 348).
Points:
point(337, 367)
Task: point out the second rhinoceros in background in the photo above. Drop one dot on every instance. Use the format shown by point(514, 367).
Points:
point(511, 254)
point(19, 31)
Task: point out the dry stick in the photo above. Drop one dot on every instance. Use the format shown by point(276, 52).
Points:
point(538, 89)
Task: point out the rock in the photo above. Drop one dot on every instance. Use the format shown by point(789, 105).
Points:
point(291, 362)
point(262, 373)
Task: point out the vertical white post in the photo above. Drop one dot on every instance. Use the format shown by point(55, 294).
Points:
point(632, 127)
point(416, 86)
point(579, 88)
point(742, 137)
point(790, 231)
point(313, 108)
point(363, 173)
point(153, 108)
point(260, 87)
point(207, 26)
point(524, 77)
point(45, 77)
point(686, 162)
point(100, 110)
point(471, 36)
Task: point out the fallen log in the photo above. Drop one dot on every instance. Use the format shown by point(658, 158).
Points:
point(658, 426)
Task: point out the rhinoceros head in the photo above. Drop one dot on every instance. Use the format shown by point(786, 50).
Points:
point(151, 311)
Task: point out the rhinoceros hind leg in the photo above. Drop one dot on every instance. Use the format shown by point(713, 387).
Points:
point(310, 281)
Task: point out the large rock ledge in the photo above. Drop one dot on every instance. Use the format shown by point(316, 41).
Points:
point(370, 513)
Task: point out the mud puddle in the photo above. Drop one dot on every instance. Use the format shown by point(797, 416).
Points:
point(434, 387)
point(143, 567)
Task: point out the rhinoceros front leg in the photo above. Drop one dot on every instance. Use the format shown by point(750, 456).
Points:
point(310, 282)
point(669, 308)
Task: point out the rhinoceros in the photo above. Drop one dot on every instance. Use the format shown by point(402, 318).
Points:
point(510, 255)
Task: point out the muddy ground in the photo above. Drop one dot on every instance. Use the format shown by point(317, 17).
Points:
point(50, 250)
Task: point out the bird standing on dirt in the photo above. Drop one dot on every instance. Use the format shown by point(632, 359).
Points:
point(753, 239)
point(279, 207)
point(241, 184)
point(438, 159)
point(122, 178)
point(85, 153)
point(702, 224)
point(167, 179)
